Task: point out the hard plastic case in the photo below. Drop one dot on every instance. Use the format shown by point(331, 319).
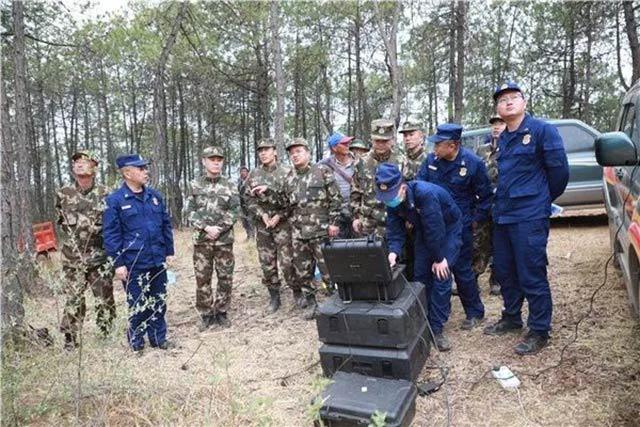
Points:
point(351, 400)
point(361, 260)
point(378, 362)
point(394, 324)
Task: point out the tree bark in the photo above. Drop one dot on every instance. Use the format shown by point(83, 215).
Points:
point(276, 53)
point(631, 27)
point(461, 18)
point(390, 40)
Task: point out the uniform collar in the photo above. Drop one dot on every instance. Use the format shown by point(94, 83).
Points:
point(304, 170)
point(270, 168)
point(128, 193)
point(85, 191)
point(416, 153)
point(381, 158)
point(212, 179)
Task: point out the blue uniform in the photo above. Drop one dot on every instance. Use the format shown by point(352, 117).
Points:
point(138, 234)
point(437, 228)
point(532, 172)
point(466, 179)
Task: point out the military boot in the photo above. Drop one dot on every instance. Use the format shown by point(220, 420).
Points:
point(70, 343)
point(222, 319)
point(312, 305)
point(207, 321)
point(299, 298)
point(274, 302)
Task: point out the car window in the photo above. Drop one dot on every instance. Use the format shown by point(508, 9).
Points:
point(575, 138)
point(628, 122)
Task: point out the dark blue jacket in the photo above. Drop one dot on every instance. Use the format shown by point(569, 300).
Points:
point(137, 229)
point(532, 172)
point(466, 179)
point(433, 213)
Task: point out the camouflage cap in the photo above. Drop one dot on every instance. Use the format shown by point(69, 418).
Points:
point(266, 143)
point(213, 151)
point(382, 129)
point(410, 125)
point(89, 154)
point(298, 142)
point(358, 143)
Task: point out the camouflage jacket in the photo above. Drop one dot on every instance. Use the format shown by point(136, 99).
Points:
point(215, 202)
point(274, 200)
point(488, 153)
point(242, 184)
point(80, 219)
point(413, 162)
point(364, 205)
point(314, 201)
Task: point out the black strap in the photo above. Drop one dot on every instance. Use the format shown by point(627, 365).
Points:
point(331, 162)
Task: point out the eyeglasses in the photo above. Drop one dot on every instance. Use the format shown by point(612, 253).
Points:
point(507, 98)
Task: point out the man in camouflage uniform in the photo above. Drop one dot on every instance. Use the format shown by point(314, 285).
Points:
point(482, 241)
point(413, 139)
point(267, 199)
point(369, 215)
point(359, 148)
point(314, 209)
point(212, 211)
point(84, 262)
point(244, 213)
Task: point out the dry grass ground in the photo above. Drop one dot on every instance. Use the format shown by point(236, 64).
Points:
point(263, 370)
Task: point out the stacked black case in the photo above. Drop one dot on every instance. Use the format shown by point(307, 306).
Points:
point(374, 328)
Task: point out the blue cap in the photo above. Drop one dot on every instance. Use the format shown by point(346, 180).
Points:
point(338, 138)
point(446, 132)
point(130, 160)
point(388, 182)
point(504, 87)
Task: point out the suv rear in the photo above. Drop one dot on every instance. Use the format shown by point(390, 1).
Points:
point(618, 152)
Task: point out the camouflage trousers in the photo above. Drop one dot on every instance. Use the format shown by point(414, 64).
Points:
point(247, 225)
point(306, 255)
point(206, 256)
point(482, 247)
point(275, 249)
point(76, 283)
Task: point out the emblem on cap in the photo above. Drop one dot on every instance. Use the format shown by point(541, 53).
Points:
point(463, 171)
point(526, 139)
point(383, 187)
point(504, 86)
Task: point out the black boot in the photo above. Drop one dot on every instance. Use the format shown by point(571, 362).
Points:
point(531, 344)
point(207, 321)
point(70, 343)
point(223, 320)
point(299, 299)
point(274, 302)
point(310, 312)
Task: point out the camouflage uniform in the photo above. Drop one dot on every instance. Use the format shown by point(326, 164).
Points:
point(274, 244)
point(244, 212)
point(84, 261)
point(482, 241)
point(315, 203)
point(364, 205)
point(213, 202)
point(413, 162)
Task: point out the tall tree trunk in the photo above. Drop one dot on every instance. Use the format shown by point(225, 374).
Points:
point(632, 34)
point(159, 108)
point(276, 52)
point(461, 18)
point(389, 38)
point(364, 121)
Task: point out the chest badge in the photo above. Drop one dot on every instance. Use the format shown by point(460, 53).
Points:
point(155, 201)
point(433, 168)
point(463, 171)
point(526, 139)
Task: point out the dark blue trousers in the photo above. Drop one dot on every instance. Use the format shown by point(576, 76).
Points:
point(466, 278)
point(520, 266)
point(438, 291)
point(146, 296)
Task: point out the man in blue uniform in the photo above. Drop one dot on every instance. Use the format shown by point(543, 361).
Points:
point(436, 225)
point(464, 176)
point(532, 171)
point(138, 238)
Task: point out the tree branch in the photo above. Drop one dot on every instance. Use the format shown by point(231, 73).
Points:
point(29, 36)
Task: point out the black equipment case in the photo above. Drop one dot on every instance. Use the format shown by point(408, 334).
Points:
point(378, 362)
point(371, 323)
point(351, 400)
point(361, 269)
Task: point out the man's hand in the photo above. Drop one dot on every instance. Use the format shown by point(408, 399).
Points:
point(357, 226)
point(408, 225)
point(258, 190)
point(121, 273)
point(333, 230)
point(273, 222)
point(266, 220)
point(392, 259)
point(213, 232)
point(441, 269)
point(171, 259)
